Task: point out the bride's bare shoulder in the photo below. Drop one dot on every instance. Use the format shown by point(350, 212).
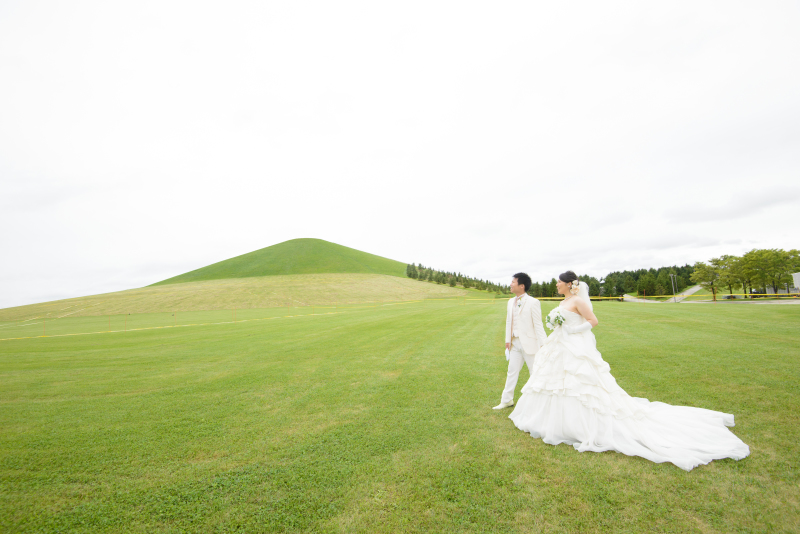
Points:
point(569, 306)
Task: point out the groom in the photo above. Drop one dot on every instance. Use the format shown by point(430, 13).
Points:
point(524, 334)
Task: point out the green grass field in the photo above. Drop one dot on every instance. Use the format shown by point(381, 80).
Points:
point(378, 419)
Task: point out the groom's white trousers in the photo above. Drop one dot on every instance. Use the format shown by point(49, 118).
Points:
point(516, 358)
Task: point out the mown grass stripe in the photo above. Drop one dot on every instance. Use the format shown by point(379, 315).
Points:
point(170, 326)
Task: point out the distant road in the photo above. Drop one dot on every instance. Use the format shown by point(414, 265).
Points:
point(678, 297)
point(631, 298)
point(746, 301)
point(686, 292)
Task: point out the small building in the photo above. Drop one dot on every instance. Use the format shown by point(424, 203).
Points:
point(785, 288)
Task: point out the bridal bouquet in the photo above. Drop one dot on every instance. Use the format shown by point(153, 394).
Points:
point(554, 319)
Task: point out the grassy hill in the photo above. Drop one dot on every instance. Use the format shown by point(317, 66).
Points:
point(297, 256)
point(242, 293)
point(299, 272)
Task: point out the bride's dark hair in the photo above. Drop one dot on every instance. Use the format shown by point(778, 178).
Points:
point(568, 277)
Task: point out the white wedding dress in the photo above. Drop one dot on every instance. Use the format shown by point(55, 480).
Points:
point(572, 398)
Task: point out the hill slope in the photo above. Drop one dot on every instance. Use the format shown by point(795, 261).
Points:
point(297, 256)
point(239, 293)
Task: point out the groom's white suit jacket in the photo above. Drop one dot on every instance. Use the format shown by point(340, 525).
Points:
point(529, 329)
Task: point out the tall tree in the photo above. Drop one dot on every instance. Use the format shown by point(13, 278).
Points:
point(707, 275)
point(748, 272)
point(758, 272)
point(728, 274)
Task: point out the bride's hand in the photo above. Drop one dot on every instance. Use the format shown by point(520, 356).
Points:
point(584, 327)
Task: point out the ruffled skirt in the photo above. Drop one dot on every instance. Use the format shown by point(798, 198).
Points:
point(571, 397)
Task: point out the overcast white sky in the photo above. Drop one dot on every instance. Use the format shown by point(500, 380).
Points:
point(140, 140)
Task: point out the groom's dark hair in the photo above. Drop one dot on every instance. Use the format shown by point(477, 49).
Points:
point(524, 280)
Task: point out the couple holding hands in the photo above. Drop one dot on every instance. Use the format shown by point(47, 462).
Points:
point(571, 396)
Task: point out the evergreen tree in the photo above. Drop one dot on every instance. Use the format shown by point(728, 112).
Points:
point(663, 283)
point(682, 282)
point(594, 287)
point(552, 290)
point(646, 285)
point(535, 290)
point(630, 284)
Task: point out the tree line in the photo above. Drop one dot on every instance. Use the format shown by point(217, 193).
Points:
point(615, 284)
point(645, 281)
point(420, 272)
point(751, 273)
point(661, 281)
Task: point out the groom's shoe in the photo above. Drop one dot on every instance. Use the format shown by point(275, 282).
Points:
point(503, 405)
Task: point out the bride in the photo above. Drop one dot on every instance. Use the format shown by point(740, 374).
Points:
point(572, 398)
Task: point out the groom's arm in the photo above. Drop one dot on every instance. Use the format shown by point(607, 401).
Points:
point(536, 317)
point(508, 325)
